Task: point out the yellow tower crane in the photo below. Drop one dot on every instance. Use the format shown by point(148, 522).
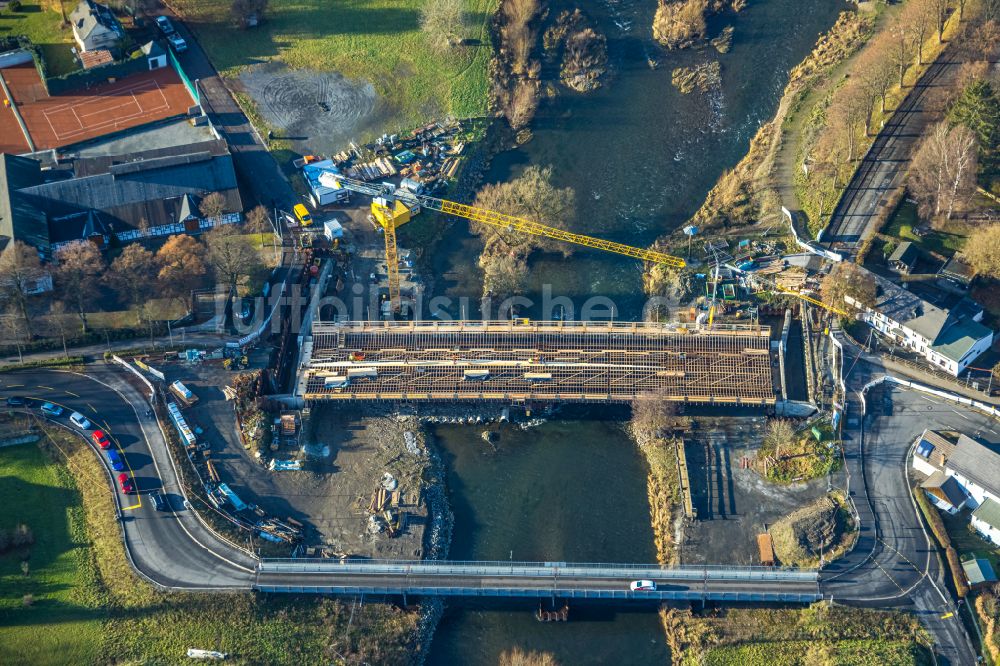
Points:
point(392, 207)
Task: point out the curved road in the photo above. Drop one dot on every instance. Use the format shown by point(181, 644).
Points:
point(172, 548)
point(893, 565)
point(895, 562)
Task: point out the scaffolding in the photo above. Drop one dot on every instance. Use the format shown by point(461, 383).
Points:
point(521, 361)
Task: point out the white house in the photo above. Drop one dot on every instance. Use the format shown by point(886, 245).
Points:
point(949, 339)
point(95, 27)
point(964, 473)
point(986, 520)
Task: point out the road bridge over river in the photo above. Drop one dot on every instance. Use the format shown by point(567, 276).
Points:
point(519, 360)
point(538, 579)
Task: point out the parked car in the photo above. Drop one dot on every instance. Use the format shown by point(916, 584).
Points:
point(164, 24)
point(15, 401)
point(126, 483)
point(80, 421)
point(177, 42)
point(52, 410)
point(642, 586)
point(116, 461)
point(159, 502)
point(100, 439)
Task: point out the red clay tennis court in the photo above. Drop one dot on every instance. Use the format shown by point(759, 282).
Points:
point(84, 114)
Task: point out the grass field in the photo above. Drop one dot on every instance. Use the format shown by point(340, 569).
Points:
point(808, 653)
point(376, 40)
point(90, 608)
point(44, 28)
point(819, 634)
point(946, 241)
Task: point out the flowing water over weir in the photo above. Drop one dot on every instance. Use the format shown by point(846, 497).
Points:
point(640, 157)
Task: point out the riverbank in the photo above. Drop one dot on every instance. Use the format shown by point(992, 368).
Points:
point(82, 603)
point(748, 193)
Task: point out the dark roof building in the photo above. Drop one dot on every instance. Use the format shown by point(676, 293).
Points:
point(957, 270)
point(19, 218)
point(904, 258)
point(113, 195)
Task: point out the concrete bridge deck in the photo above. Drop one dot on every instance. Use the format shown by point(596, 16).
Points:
point(537, 579)
point(542, 361)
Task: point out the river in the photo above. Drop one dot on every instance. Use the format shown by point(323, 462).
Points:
point(641, 158)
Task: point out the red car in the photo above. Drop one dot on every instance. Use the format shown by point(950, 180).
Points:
point(100, 439)
point(125, 483)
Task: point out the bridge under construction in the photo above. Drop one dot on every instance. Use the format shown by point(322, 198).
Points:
point(523, 361)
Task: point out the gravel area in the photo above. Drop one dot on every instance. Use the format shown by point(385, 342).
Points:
point(734, 505)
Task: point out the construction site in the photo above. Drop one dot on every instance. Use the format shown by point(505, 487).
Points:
point(523, 361)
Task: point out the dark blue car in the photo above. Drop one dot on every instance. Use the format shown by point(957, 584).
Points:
point(116, 460)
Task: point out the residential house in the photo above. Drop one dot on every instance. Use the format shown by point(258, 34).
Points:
point(961, 473)
point(957, 271)
point(115, 198)
point(904, 258)
point(95, 27)
point(949, 339)
point(986, 520)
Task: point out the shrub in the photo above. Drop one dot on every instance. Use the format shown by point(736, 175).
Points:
point(957, 573)
point(27, 599)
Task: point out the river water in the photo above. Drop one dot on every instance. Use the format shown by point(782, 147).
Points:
point(641, 158)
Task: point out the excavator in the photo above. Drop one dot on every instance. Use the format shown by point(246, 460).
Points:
point(392, 207)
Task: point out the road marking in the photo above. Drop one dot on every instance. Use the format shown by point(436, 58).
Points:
point(75, 395)
point(961, 414)
point(15, 386)
point(929, 400)
point(92, 408)
point(47, 388)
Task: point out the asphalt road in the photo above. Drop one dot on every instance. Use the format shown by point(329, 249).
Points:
point(884, 166)
point(895, 563)
point(171, 548)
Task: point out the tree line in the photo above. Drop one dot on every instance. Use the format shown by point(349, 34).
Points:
point(83, 280)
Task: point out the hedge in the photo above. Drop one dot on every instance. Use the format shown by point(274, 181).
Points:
point(84, 78)
point(45, 363)
point(941, 534)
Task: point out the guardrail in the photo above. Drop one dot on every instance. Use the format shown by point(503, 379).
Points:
point(125, 364)
point(534, 569)
point(658, 595)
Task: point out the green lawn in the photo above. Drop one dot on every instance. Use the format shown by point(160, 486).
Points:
point(376, 40)
point(64, 622)
point(89, 608)
point(946, 241)
point(966, 541)
point(44, 28)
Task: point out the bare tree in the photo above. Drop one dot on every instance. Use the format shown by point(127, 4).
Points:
point(232, 256)
point(848, 280)
point(258, 221)
point(212, 206)
point(442, 22)
point(901, 48)
point(943, 171)
point(182, 266)
point(779, 435)
point(849, 114)
point(982, 251)
point(504, 274)
point(131, 275)
point(920, 16)
point(79, 267)
point(652, 414)
point(878, 73)
point(533, 197)
point(939, 10)
point(20, 273)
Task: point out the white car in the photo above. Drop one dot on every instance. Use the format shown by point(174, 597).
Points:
point(80, 421)
point(177, 42)
point(642, 586)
